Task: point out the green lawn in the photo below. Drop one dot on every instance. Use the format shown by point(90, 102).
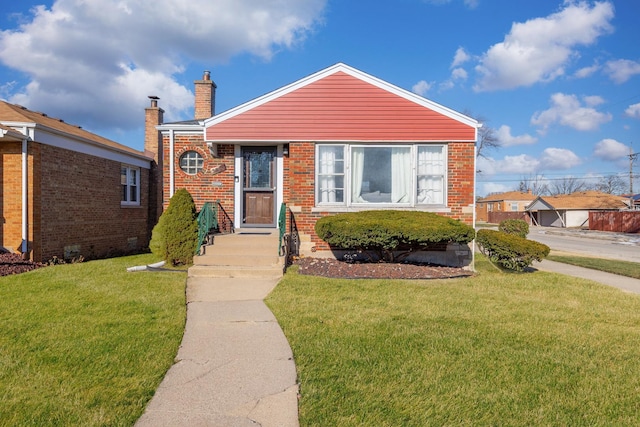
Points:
point(623, 268)
point(496, 349)
point(86, 344)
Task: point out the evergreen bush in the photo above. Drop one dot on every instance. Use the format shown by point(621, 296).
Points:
point(385, 232)
point(175, 237)
point(518, 227)
point(158, 244)
point(509, 250)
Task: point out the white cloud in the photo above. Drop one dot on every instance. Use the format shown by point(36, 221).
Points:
point(507, 140)
point(520, 164)
point(525, 164)
point(633, 111)
point(559, 159)
point(567, 110)
point(422, 87)
point(96, 61)
point(586, 71)
point(539, 50)
point(460, 57)
point(459, 74)
point(471, 4)
point(622, 70)
point(610, 149)
point(593, 100)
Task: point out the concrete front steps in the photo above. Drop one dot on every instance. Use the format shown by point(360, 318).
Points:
point(245, 253)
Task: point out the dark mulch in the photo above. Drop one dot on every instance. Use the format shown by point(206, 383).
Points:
point(14, 264)
point(328, 267)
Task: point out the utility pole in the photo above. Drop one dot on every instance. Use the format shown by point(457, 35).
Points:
point(632, 158)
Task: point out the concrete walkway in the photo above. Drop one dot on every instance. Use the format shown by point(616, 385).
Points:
point(234, 366)
point(621, 282)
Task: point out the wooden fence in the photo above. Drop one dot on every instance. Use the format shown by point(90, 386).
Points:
point(616, 221)
point(498, 217)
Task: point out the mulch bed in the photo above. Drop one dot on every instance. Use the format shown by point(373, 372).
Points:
point(14, 264)
point(328, 267)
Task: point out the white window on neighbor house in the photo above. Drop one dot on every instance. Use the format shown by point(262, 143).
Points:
point(362, 175)
point(514, 207)
point(130, 182)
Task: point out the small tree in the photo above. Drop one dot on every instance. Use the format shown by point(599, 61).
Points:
point(175, 237)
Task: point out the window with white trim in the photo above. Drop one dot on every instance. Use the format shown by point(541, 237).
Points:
point(191, 162)
point(130, 182)
point(398, 175)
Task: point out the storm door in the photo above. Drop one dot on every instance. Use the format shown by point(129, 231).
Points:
point(258, 186)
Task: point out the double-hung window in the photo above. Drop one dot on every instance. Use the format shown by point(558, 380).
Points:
point(398, 175)
point(130, 183)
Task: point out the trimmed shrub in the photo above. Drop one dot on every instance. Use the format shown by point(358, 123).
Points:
point(517, 227)
point(384, 232)
point(509, 250)
point(175, 237)
point(158, 244)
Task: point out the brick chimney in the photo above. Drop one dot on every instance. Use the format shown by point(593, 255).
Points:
point(205, 97)
point(153, 116)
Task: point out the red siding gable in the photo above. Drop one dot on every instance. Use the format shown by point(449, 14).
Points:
point(339, 107)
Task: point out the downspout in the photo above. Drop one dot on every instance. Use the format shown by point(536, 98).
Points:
point(25, 198)
point(475, 171)
point(171, 164)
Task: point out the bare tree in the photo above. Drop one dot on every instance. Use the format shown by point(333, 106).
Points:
point(487, 138)
point(535, 183)
point(611, 184)
point(567, 185)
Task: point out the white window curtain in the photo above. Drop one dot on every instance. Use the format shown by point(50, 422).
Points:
point(327, 175)
point(400, 175)
point(431, 175)
point(357, 171)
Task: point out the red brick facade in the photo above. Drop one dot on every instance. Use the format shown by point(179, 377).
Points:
point(338, 105)
point(73, 190)
point(71, 208)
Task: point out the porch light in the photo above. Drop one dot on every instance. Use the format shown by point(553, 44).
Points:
point(285, 150)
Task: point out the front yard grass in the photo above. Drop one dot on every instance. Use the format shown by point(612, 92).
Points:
point(86, 344)
point(623, 268)
point(496, 349)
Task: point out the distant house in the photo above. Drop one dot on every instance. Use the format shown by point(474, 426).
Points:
point(67, 192)
point(572, 210)
point(338, 140)
point(634, 201)
point(493, 207)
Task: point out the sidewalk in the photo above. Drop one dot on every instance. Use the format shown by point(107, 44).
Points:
point(621, 282)
point(234, 366)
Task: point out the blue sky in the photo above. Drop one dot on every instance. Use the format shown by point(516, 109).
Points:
point(558, 81)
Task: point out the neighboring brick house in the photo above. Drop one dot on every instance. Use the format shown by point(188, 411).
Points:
point(67, 192)
point(572, 210)
point(499, 206)
point(336, 141)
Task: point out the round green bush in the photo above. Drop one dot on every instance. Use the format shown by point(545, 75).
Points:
point(385, 231)
point(517, 227)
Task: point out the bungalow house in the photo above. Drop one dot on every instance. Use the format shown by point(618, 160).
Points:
point(496, 207)
point(339, 140)
point(67, 192)
point(572, 210)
